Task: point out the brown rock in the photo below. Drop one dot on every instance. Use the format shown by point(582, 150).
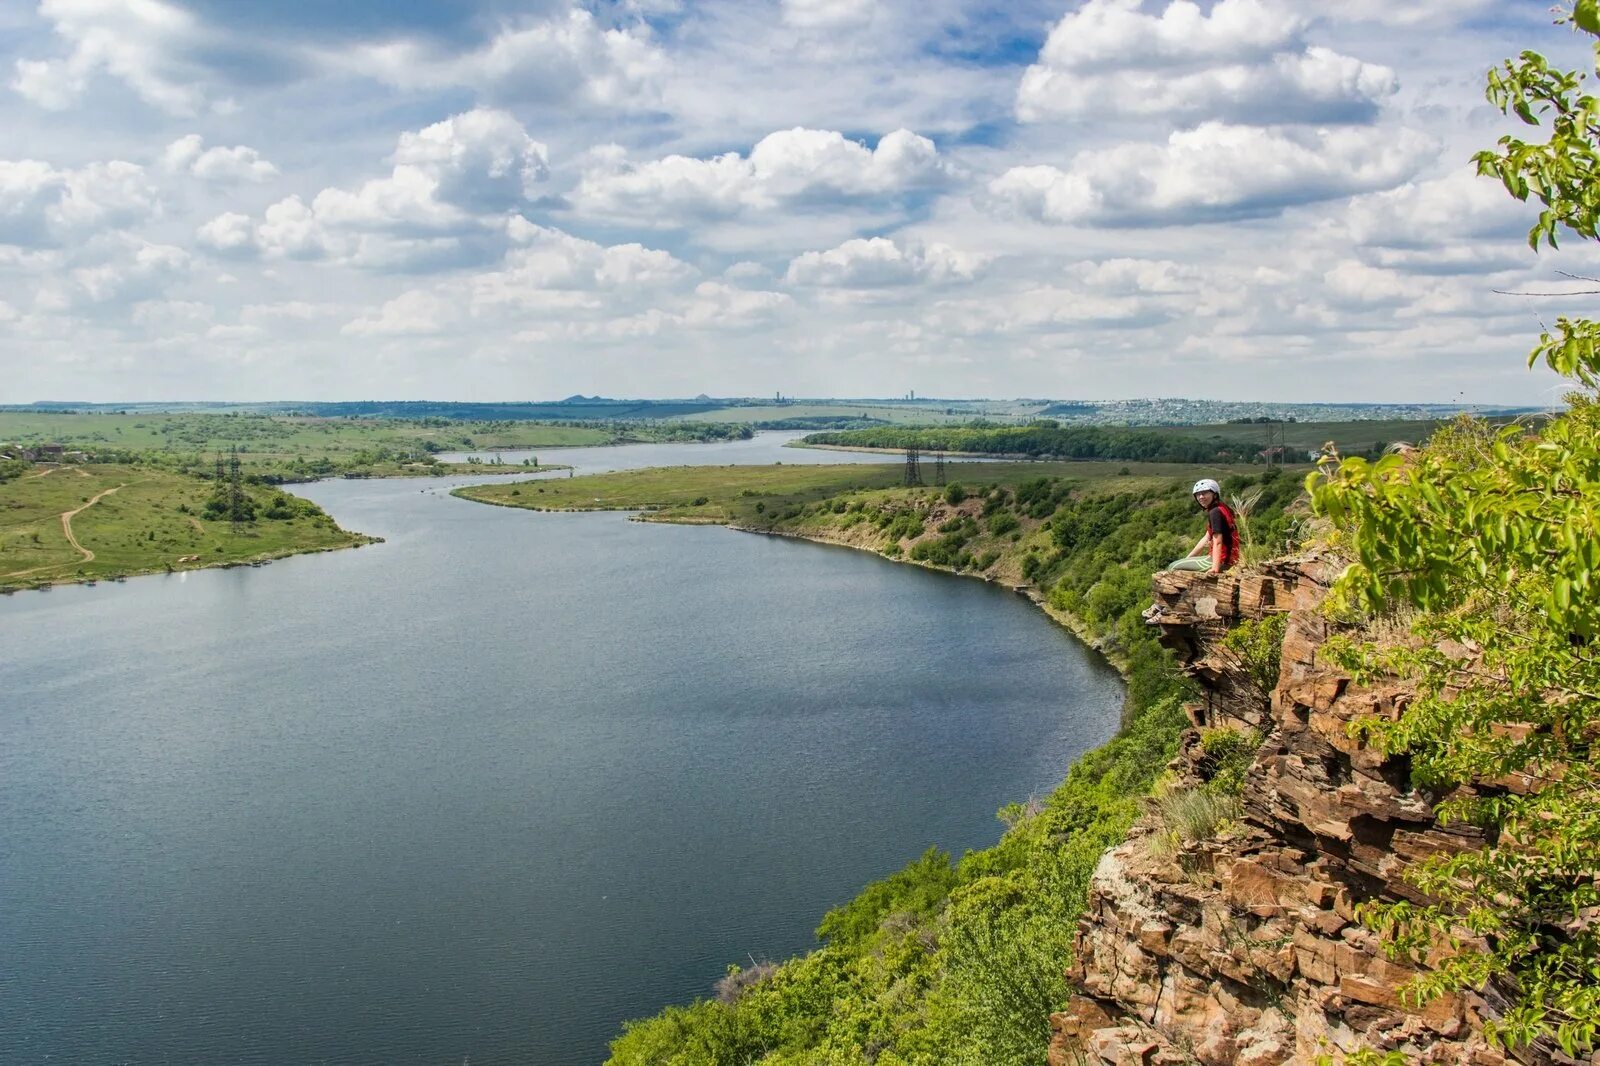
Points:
point(1244, 949)
point(1081, 1018)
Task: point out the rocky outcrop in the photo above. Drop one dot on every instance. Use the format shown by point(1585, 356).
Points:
point(1245, 948)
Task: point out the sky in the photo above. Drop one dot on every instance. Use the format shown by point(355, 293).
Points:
point(525, 199)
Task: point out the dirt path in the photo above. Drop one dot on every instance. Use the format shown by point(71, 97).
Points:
point(52, 469)
point(66, 529)
point(66, 521)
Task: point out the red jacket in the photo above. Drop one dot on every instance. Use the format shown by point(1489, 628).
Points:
point(1224, 529)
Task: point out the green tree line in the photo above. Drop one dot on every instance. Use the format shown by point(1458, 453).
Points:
point(1049, 440)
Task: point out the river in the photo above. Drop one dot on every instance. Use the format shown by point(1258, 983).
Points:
point(481, 792)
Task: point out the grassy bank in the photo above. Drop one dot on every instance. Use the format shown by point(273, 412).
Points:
point(103, 521)
point(950, 961)
point(283, 448)
point(764, 496)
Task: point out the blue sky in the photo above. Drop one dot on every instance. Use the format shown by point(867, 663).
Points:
point(1254, 199)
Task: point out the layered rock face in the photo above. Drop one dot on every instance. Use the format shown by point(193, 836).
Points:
point(1245, 948)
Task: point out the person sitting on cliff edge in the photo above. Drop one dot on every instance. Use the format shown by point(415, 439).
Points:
point(1218, 549)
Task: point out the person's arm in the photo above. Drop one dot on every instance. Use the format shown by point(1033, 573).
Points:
point(1219, 554)
point(1199, 545)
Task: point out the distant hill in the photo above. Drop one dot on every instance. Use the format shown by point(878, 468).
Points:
point(799, 411)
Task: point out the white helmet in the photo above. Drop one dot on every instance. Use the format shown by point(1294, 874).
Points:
point(1205, 484)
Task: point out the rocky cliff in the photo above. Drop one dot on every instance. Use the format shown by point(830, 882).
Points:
point(1244, 947)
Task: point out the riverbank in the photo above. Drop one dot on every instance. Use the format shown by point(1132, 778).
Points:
point(1065, 619)
point(900, 451)
point(83, 523)
point(415, 470)
point(763, 496)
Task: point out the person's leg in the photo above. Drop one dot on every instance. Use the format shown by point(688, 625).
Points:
point(1199, 563)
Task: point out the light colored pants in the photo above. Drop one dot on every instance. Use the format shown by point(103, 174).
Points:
point(1201, 563)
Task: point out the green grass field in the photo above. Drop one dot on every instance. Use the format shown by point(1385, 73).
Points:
point(265, 438)
point(757, 495)
point(137, 519)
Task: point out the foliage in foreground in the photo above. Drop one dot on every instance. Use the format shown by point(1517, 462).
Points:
point(1496, 537)
point(1493, 537)
point(962, 962)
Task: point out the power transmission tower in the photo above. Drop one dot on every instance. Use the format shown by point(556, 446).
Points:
point(913, 467)
point(235, 491)
point(938, 468)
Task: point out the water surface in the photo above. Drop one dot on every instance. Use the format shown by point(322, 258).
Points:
point(482, 791)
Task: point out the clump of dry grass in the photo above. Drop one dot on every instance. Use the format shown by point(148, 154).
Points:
point(1186, 815)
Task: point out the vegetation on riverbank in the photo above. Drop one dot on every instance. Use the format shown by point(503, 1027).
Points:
point(962, 961)
point(762, 496)
point(1235, 442)
point(1048, 439)
point(101, 521)
point(276, 449)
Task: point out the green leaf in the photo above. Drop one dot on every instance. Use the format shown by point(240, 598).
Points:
point(1587, 16)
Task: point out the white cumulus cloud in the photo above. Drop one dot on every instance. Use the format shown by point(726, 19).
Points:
point(142, 43)
point(570, 58)
point(136, 270)
point(415, 312)
point(228, 233)
point(451, 183)
point(188, 155)
point(543, 259)
point(482, 159)
point(1243, 61)
point(878, 261)
point(41, 205)
point(1426, 214)
point(1213, 172)
point(795, 166)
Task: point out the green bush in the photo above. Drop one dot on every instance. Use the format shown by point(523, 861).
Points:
point(1228, 756)
point(1003, 523)
point(903, 526)
point(1259, 645)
